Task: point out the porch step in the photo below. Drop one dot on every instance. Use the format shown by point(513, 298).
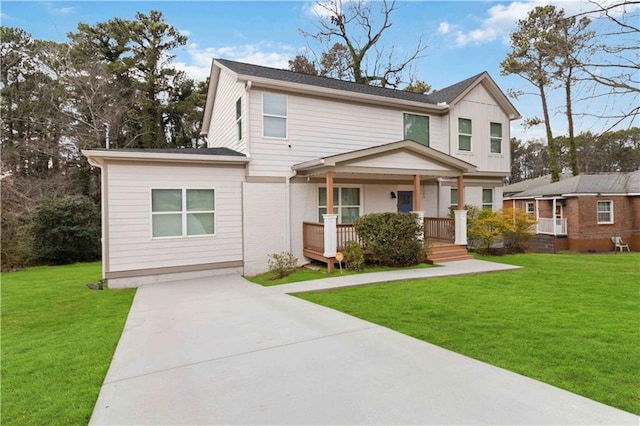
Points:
point(447, 252)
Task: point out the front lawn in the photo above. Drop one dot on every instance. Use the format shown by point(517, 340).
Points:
point(567, 320)
point(58, 338)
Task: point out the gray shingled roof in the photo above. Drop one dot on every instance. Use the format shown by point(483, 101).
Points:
point(448, 94)
point(532, 183)
point(605, 183)
point(200, 151)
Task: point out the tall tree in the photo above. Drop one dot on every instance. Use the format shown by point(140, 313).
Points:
point(355, 27)
point(532, 58)
point(303, 65)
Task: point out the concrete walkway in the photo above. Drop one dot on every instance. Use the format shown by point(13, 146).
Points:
point(225, 351)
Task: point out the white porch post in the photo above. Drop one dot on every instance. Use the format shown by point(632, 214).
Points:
point(460, 216)
point(461, 227)
point(553, 215)
point(420, 220)
point(330, 235)
point(537, 216)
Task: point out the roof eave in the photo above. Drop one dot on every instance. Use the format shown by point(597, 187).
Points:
point(98, 158)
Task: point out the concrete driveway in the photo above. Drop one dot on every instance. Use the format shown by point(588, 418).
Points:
point(225, 351)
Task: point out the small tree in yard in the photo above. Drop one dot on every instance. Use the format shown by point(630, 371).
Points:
point(353, 256)
point(282, 264)
point(484, 228)
point(518, 232)
point(393, 238)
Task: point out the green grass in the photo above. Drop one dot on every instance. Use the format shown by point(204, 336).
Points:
point(567, 320)
point(58, 338)
point(304, 274)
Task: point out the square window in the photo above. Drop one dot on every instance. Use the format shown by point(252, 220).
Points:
point(182, 212)
point(346, 203)
point(416, 127)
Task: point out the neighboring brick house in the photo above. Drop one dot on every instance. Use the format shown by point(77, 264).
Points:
point(581, 213)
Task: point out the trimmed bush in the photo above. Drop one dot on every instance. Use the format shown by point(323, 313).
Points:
point(66, 230)
point(353, 256)
point(393, 238)
point(518, 230)
point(282, 264)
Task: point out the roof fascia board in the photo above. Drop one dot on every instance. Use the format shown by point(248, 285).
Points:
point(99, 157)
point(339, 94)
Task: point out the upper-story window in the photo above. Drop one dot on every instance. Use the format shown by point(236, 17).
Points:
point(604, 212)
point(239, 118)
point(416, 127)
point(464, 134)
point(496, 138)
point(274, 115)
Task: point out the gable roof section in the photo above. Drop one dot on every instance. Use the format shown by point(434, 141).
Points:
point(525, 185)
point(605, 183)
point(437, 102)
point(405, 157)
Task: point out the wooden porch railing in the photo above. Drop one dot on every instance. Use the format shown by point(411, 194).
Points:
point(439, 229)
point(435, 228)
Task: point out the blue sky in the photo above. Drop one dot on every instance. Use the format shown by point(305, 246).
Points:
point(463, 37)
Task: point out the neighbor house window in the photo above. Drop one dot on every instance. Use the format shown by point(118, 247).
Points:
point(454, 198)
point(531, 209)
point(605, 211)
point(239, 118)
point(182, 212)
point(487, 198)
point(464, 134)
point(496, 138)
point(416, 127)
point(346, 203)
point(274, 115)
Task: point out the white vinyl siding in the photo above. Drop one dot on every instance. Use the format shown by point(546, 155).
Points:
point(130, 241)
point(223, 128)
point(496, 138)
point(464, 134)
point(274, 115)
point(604, 212)
point(416, 127)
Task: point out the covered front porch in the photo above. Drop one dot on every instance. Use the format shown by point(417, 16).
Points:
point(414, 169)
point(550, 216)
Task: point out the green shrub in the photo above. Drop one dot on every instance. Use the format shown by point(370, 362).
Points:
point(66, 230)
point(393, 238)
point(484, 229)
point(353, 256)
point(282, 264)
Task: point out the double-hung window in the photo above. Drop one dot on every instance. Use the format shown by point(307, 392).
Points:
point(487, 198)
point(182, 212)
point(346, 203)
point(464, 134)
point(454, 198)
point(239, 118)
point(274, 115)
point(496, 138)
point(416, 127)
point(605, 212)
point(531, 209)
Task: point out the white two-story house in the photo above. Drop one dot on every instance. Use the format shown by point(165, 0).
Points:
point(292, 161)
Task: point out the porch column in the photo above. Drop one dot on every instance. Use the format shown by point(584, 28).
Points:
point(553, 215)
point(330, 235)
point(460, 216)
point(329, 183)
point(537, 216)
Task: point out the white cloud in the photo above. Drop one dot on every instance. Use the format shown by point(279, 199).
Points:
point(197, 64)
point(444, 28)
point(322, 9)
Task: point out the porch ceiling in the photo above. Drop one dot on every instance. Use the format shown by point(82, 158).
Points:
point(402, 158)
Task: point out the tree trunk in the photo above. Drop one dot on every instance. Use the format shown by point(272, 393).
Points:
point(551, 145)
point(573, 151)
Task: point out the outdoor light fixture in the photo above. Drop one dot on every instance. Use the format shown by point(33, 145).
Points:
point(393, 195)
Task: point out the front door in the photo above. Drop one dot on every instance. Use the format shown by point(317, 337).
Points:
point(405, 201)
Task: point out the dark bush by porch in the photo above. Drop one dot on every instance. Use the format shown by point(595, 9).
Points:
point(392, 238)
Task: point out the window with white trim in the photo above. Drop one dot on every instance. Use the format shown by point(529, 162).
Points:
point(274, 115)
point(454, 198)
point(496, 138)
point(531, 208)
point(604, 211)
point(346, 203)
point(416, 127)
point(239, 118)
point(464, 134)
point(182, 212)
point(487, 198)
